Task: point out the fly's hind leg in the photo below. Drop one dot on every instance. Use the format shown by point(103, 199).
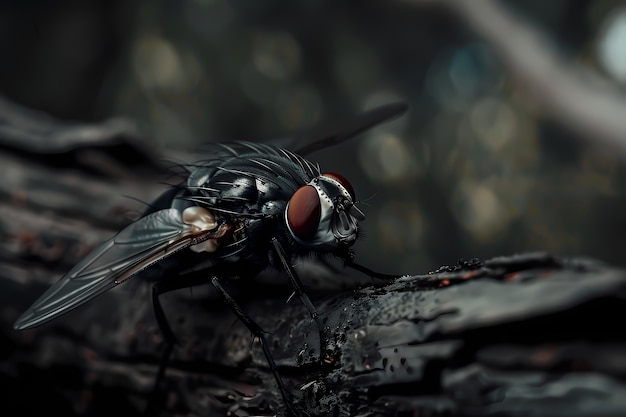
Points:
point(155, 401)
point(259, 334)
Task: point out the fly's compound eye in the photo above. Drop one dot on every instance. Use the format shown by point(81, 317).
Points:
point(343, 181)
point(303, 212)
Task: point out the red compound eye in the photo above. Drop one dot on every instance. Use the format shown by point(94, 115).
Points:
point(343, 181)
point(303, 212)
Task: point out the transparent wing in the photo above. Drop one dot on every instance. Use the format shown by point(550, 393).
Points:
point(330, 134)
point(141, 244)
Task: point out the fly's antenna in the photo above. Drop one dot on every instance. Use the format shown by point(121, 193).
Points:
point(365, 201)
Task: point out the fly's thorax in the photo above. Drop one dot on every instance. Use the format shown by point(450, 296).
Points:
point(322, 215)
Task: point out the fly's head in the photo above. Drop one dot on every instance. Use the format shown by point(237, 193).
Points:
point(322, 214)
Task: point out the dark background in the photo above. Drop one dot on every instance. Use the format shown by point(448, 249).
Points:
point(474, 169)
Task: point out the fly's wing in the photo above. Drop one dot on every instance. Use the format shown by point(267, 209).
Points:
point(141, 244)
point(304, 143)
point(332, 134)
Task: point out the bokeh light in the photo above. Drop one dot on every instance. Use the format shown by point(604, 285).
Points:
point(612, 44)
point(386, 158)
point(275, 55)
point(457, 77)
point(157, 65)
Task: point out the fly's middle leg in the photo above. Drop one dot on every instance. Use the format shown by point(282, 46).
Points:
point(260, 335)
point(155, 402)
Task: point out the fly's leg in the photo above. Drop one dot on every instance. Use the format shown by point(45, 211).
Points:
point(368, 271)
point(297, 285)
point(299, 291)
point(155, 400)
point(259, 334)
point(348, 258)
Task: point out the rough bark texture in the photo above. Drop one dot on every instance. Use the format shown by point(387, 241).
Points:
point(521, 335)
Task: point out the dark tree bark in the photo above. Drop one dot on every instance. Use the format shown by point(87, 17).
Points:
point(528, 334)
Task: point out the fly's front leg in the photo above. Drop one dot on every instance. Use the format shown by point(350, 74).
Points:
point(369, 272)
point(259, 334)
point(297, 284)
point(299, 291)
point(348, 260)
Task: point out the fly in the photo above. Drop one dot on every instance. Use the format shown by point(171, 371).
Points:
point(245, 208)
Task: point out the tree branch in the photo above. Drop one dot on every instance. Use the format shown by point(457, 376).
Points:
point(573, 96)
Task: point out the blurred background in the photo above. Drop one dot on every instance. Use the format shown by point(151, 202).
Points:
point(491, 158)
